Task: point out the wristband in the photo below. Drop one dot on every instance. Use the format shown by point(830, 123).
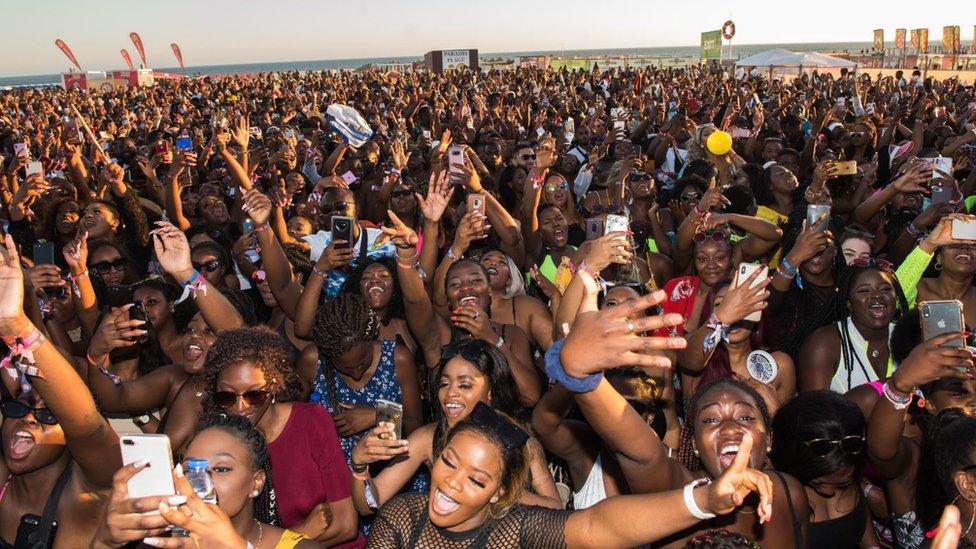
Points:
point(262, 228)
point(196, 283)
point(720, 332)
point(691, 504)
point(914, 231)
point(357, 467)
point(319, 272)
point(21, 357)
point(788, 267)
point(450, 254)
point(555, 370)
point(897, 402)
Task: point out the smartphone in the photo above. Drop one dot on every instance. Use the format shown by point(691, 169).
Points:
point(426, 134)
point(117, 295)
point(136, 312)
point(247, 225)
point(847, 167)
point(349, 178)
point(964, 229)
point(814, 213)
point(594, 228)
point(184, 143)
point(618, 125)
point(162, 147)
point(20, 149)
point(616, 223)
point(739, 133)
point(28, 532)
point(390, 412)
point(476, 203)
point(43, 253)
point(941, 194)
point(342, 229)
point(942, 317)
point(34, 167)
point(614, 112)
point(455, 159)
point(156, 479)
point(943, 165)
point(744, 272)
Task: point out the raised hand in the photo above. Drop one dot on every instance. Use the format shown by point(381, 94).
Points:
point(172, 250)
point(337, 254)
point(131, 519)
point(240, 132)
point(439, 194)
point(257, 205)
point(743, 300)
point(608, 338)
point(546, 154)
point(809, 243)
point(116, 331)
point(914, 179)
point(379, 445)
point(609, 248)
point(76, 253)
point(730, 490)
point(930, 361)
point(12, 317)
point(207, 524)
point(400, 234)
point(474, 321)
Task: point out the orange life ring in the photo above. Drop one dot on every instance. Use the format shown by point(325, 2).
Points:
point(728, 30)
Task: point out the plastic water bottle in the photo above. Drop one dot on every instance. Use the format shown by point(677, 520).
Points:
point(199, 478)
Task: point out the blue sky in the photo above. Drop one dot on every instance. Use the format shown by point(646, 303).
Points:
point(214, 32)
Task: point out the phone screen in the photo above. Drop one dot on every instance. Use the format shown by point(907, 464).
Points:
point(44, 253)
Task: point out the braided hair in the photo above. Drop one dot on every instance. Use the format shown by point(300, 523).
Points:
point(259, 345)
point(949, 442)
point(340, 323)
point(266, 504)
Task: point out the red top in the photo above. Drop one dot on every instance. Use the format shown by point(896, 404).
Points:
point(307, 465)
point(682, 292)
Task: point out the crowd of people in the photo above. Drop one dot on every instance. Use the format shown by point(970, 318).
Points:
point(536, 308)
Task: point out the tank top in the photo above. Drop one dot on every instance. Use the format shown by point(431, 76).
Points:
point(857, 370)
point(843, 532)
point(593, 491)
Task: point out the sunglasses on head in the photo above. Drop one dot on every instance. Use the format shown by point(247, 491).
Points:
point(255, 397)
point(104, 267)
point(209, 266)
point(852, 444)
point(871, 262)
point(16, 409)
point(715, 236)
point(468, 351)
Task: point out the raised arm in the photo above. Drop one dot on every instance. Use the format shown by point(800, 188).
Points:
point(92, 442)
point(280, 277)
point(174, 205)
point(86, 304)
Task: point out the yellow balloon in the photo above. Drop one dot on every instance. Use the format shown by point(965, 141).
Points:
point(719, 142)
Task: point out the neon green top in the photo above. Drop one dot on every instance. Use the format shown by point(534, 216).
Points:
point(548, 268)
point(910, 272)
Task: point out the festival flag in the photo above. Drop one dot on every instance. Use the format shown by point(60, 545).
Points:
point(923, 40)
point(956, 38)
point(177, 53)
point(947, 39)
point(126, 58)
point(138, 43)
point(900, 38)
point(879, 39)
point(67, 51)
point(915, 33)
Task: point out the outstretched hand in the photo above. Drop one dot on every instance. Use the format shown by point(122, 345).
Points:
point(731, 489)
point(172, 250)
point(12, 315)
point(401, 235)
point(439, 194)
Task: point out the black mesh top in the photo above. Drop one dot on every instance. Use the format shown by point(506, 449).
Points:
point(403, 522)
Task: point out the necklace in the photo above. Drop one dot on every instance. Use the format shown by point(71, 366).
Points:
point(260, 533)
point(195, 391)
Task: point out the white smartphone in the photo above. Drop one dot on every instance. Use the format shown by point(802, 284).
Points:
point(33, 167)
point(941, 164)
point(964, 229)
point(156, 479)
point(744, 272)
point(455, 159)
point(616, 223)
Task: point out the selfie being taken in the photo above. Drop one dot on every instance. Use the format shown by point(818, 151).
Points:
point(283, 275)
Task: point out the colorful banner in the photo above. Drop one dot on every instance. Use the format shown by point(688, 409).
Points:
point(923, 40)
point(947, 37)
point(900, 38)
point(127, 58)
point(67, 51)
point(711, 45)
point(177, 53)
point(956, 38)
point(879, 39)
point(914, 39)
point(139, 49)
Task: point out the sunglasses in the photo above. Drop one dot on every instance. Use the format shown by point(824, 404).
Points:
point(256, 397)
point(527, 157)
point(879, 263)
point(853, 444)
point(468, 351)
point(104, 267)
point(209, 266)
point(402, 194)
point(690, 196)
point(334, 207)
point(562, 185)
point(714, 236)
point(16, 409)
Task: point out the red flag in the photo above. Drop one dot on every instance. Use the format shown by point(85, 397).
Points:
point(177, 53)
point(126, 58)
point(138, 42)
point(67, 51)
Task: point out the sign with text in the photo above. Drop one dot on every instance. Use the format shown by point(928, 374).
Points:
point(711, 45)
point(452, 59)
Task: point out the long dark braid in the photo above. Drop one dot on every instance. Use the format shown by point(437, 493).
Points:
point(340, 323)
point(266, 504)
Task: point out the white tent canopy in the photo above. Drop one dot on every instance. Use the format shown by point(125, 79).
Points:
point(785, 58)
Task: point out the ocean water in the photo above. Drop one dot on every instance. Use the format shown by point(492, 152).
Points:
point(738, 50)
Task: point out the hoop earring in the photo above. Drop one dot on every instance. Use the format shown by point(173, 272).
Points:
point(938, 264)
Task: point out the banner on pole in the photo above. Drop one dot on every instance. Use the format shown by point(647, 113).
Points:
point(127, 58)
point(923, 40)
point(711, 45)
point(879, 39)
point(67, 51)
point(900, 38)
point(139, 49)
point(177, 53)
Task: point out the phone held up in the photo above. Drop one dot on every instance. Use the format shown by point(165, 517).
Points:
point(744, 272)
point(390, 412)
point(942, 317)
point(342, 229)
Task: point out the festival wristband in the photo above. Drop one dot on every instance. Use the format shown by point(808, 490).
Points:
point(788, 267)
point(691, 504)
point(262, 228)
point(21, 357)
point(719, 333)
point(193, 285)
point(555, 370)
